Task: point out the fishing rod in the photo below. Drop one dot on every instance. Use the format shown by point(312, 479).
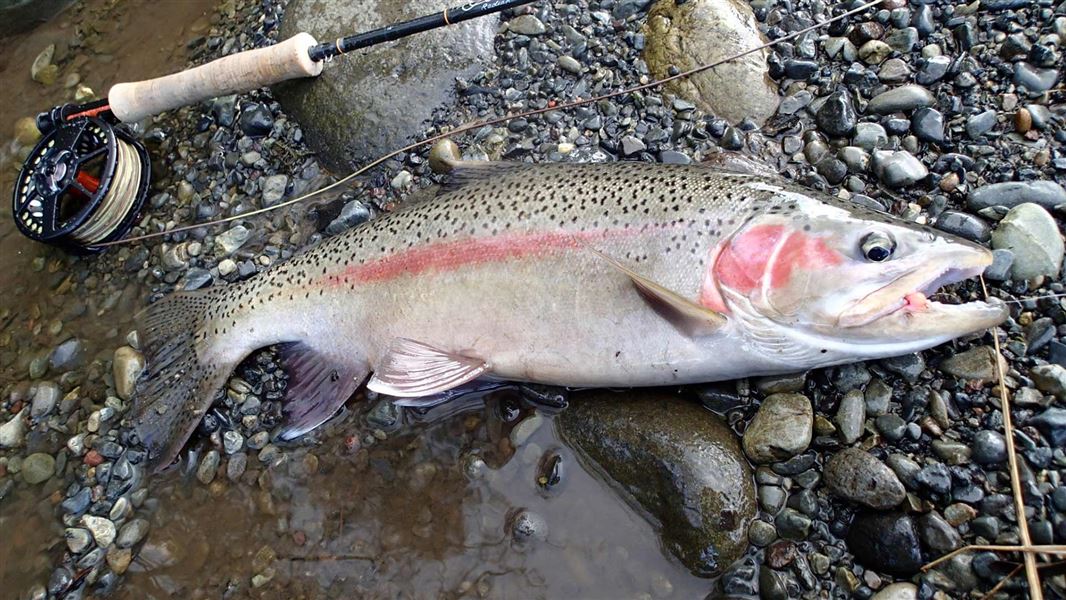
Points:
point(84, 183)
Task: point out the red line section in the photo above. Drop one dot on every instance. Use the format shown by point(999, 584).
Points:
point(450, 256)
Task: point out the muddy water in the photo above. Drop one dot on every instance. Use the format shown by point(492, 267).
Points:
point(429, 512)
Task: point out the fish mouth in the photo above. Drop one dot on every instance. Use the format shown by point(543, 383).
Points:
point(908, 298)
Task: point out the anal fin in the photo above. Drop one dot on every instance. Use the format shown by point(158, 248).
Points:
point(318, 386)
point(412, 369)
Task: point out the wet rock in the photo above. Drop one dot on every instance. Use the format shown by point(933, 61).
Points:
point(127, 367)
point(850, 416)
point(899, 168)
point(928, 124)
point(26, 132)
point(857, 475)
point(353, 213)
point(964, 225)
point(837, 116)
point(870, 136)
point(934, 70)
point(44, 399)
point(989, 447)
point(782, 428)
point(38, 468)
point(103, 530)
point(686, 35)
point(1032, 235)
point(526, 25)
point(897, 591)
point(119, 559)
point(1052, 423)
point(675, 460)
point(375, 100)
point(78, 539)
point(793, 525)
point(132, 533)
point(231, 240)
point(977, 364)
point(274, 189)
point(1050, 379)
point(205, 473)
point(256, 120)
point(980, 124)
point(901, 99)
point(1002, 261)
point(236, 466)
point(1034, 79)
point(939, 536)
point(1046, 193)
point(66, 355)
point(886, 542)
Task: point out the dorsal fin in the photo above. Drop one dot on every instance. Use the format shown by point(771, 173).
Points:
point(467, 172)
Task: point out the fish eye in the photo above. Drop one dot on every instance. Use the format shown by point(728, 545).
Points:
point(877, 246)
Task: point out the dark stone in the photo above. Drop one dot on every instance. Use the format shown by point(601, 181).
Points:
point(732, 139)
point(928, 125)
point(255, 120)
point(1052, 423)
point(677, 462)
point(935, 477)
point(886, 543)
point(837, 116)
point(964, 225)
point(989, 447)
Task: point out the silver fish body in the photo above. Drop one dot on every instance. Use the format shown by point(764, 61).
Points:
point(623, 274)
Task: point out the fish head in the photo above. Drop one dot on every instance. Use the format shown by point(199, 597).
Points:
point(848, 279)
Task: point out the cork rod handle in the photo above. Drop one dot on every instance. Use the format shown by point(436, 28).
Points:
point(241, 72)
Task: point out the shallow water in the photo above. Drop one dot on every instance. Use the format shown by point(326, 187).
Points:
point(403, 517)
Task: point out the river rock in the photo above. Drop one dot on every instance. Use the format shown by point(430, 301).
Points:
point(14, 431)
point(900, 99)
point(781, 429)
point(886, 542)
point(372, 101)
point(128, 366)
point(38, 468)
point(677, 462)
point(1050, 379)
point(103, 530)
point(1012, 193)
point(1030, 232)
point(977, 364)
point(687, 35)
point(859, 476)
point(898, 591)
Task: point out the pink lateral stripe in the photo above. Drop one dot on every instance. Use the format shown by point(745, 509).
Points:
point(449, 256)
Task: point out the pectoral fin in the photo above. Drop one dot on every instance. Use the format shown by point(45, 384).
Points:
point(687, 316)
point(412, 369)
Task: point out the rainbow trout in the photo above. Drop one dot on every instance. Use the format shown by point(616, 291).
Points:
point(585, 275)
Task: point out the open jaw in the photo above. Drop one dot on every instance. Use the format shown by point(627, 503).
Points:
point(907, 299)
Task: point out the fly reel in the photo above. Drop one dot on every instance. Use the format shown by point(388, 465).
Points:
point(82, 185)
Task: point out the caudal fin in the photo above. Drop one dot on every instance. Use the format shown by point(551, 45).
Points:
point(179, 385)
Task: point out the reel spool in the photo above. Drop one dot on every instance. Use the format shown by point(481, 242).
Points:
point(82, 185)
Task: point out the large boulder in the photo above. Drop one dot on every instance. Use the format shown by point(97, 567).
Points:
point(690, 34)
point(374, 101)
point(677, 463)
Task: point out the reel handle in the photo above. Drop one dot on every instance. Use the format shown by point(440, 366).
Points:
point(241, 72)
